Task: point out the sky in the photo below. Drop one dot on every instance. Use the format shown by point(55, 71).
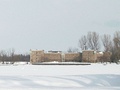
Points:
point(54, 24)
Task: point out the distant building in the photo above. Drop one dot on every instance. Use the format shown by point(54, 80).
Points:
point(89, 56)
point(54, 51)
point(86, 56)
point(40, 56)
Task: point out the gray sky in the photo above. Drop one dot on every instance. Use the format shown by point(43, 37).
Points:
point(54, 24)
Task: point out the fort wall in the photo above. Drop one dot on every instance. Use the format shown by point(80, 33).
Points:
point(85, 56)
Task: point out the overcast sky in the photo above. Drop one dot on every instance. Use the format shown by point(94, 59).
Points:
point(54, 24)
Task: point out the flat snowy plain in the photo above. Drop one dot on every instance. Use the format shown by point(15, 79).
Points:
point(60, 77)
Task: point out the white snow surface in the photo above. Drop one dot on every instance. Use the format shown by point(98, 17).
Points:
point(60, 77)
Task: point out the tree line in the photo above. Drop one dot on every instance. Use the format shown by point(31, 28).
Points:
point(9, 57)
point(94, 41)
point(90, 41)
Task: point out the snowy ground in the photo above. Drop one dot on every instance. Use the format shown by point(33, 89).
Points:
point(53, 77)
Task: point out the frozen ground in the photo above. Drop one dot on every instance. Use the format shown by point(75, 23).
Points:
point(48, 77)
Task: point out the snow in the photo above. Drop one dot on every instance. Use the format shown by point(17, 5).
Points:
point(60, 77)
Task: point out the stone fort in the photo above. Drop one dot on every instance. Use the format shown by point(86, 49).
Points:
point(38, 56)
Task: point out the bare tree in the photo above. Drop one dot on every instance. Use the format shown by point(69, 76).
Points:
point(12, 54)
point(93, 41)
point(3, 56)
point(106, 57)
point(117, 39)
point(72, 50)
point(116, 48)
point(107, 42)
point(9, 56)
point(83, 43)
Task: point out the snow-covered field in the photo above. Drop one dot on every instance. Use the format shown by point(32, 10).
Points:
point(63, 77)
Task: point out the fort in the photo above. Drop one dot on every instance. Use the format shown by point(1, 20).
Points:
point(38, 56)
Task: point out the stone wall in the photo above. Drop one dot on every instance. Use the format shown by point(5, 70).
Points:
point(40, 56)
point(37, 56)
point(72, 57)
point(86, 56)
point(89, 56)
point(106, 57)
point(52, 57)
